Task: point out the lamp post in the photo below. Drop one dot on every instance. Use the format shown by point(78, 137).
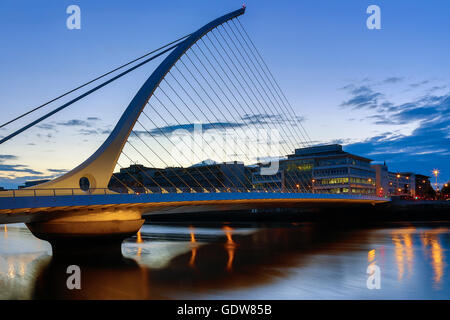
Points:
point(436, 173)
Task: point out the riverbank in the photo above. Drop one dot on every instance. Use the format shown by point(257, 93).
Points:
point(398, 210)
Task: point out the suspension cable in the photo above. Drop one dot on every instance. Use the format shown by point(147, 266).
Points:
point(85, 94)
point(238, 71)
point(209, 96)
point(90, 81)
point(243, 184)
point(162, 118)
point(254, 85)
point(226, 74)
point(270, 73)
point(163, 133)
point(224, 94)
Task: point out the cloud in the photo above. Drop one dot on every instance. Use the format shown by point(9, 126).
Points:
point(190, 127)
point(14, 182)
point(266, 119)
point(11, 176)
point(48, 136)
point(17, 168)
point(87, 132)
point(4, 157)
point(69, 123)
point(427, 146)
point(57, 170)
point(437, 88)
point(256, 119)
point(46, 126)
point(362, 97)
point(74, 122)
point(427, 107)
point(419, 113)
point(418, 84)
point(392, 80)
point(261, 118)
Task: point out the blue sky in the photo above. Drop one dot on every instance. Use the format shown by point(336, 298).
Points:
point(384, 94)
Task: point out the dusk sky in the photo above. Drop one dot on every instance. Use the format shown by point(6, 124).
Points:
point(383, 94)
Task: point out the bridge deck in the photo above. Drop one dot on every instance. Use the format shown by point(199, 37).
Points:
point(28, 209)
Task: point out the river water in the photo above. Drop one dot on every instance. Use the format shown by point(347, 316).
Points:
point(240, 261)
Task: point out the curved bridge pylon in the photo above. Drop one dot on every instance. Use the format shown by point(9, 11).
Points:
point(98, 169)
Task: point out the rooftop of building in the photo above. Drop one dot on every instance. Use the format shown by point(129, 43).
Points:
point(31, 183)
point(329, 150)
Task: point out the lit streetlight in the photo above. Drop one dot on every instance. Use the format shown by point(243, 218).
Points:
point(436, 173)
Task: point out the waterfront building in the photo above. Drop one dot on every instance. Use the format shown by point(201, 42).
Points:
point(382, 179)
point(405, 184)
point(323, 169)
point(445, 191)
point(402, 184)
point(268, 182)
point(137, 177)
point(424, 190)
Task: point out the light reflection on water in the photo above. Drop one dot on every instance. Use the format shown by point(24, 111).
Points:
point(226, 261)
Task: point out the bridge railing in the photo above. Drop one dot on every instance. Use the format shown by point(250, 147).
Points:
point(38, 192)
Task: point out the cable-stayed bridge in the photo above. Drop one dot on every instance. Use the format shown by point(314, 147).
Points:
point(214, 78)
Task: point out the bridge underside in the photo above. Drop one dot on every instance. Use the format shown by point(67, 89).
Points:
point(35, 209)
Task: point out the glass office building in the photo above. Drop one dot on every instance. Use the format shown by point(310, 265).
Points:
point(324, 169)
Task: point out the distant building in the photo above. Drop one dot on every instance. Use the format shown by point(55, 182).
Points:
point(323, 169)
point(405, 184)
point(424, 190)
point(402, 184)
point(268, 182)
point(2, 189)
point(445, 191)
point(382, 179)
point(216, 176)
point(317, 169)
point(32, 183)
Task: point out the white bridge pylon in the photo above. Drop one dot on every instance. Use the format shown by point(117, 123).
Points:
point(95, 172)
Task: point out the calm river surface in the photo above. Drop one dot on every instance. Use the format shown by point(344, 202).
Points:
point(239, 261)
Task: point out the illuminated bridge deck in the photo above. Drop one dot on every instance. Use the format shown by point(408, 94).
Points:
point(30, 208)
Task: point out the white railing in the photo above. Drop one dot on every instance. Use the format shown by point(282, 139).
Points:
point(43, 192)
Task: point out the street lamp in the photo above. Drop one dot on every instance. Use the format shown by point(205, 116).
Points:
point(436, 173)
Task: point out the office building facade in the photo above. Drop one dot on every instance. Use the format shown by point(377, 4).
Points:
point(324, 169)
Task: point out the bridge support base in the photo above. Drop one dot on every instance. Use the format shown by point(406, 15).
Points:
point(98, 234)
